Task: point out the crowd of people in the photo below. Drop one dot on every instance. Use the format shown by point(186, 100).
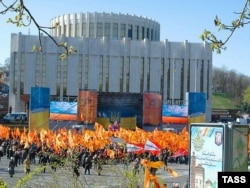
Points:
point(20, 154)
point(29, 153)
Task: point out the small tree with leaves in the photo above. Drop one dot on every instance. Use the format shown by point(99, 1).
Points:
point(246, 100)
point(242, 20)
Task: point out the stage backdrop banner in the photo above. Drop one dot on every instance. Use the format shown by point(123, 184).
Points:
point(152, 104)
point(176, 114)
point(66, 111)
point(196, 103)
point(197, 119)
point(87, 106)
point(116, 106)
point(39, 108)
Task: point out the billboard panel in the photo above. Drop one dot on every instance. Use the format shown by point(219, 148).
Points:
point(39, 120)
point(197, 119)
point(196, 103)
point(115, 106)
point(87, 106)
point(176, 114)
point(174, 110)
point(152, 104)
point(63, 111)
point(240, 148)
point(174, 120)
point(39, 108)
point(207, 154)
point(39, 98)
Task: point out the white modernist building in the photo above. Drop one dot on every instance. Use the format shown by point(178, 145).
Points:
point(115, 53)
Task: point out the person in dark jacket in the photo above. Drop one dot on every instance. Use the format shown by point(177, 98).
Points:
point(88, 164)
point(11, 167)
point(44, 161)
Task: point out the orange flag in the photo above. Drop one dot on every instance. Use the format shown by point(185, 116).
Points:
point(172, 172)
point(111, 153)
point(147, 177)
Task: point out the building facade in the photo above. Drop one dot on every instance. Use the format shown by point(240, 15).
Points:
point(115, 53)
point(109, 25)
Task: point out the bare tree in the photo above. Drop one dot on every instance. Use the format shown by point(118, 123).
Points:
point(7, 64)
point(230, 83)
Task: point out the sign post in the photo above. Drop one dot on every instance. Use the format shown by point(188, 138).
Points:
point(216, 148)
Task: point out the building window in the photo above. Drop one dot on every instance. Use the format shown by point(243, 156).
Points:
point(38, 70)
point(188, 76)
point(65, 30)
point(137, 32)
point(101, 76)
point(43, 71)
point(143, 32)
point(77, 31)
point(107, 30)
point(123, 31)
point(99, 30)
point(202, 76)
point(86, 68)
point(182, 80)
point(168, 79)
point(107, 74)
point(121, 73)
point(127, 73)
point(147, 33)
point(80, 63)
point(91, 30)
point(71, 30)
point(115, 31)
point(59, 31)
point(130, 31)
point(22, 73)
point(162, 76)
point(208, 81)
point(65, 75)
point(58, 75)
point(148, 75)
point(142, 75)
point(84, 29)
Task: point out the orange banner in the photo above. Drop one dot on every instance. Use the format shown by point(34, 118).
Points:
point(87, 106)
point(152, 104)
point(168, 119)
point(68, 117)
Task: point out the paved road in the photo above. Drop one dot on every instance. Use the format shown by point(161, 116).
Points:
point(113, 176)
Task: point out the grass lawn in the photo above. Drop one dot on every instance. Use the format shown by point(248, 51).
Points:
point(221, 101)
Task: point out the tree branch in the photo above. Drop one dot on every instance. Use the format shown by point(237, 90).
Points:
point(218, 45)
point(19, 7)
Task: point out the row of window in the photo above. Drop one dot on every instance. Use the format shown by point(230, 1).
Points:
point(113, 31)
point(175, 79)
